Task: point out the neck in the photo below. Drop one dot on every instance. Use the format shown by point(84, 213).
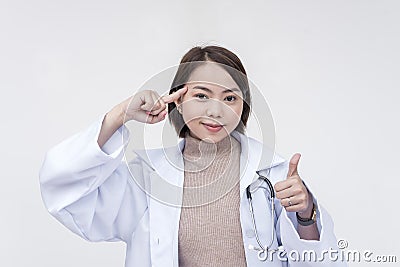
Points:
point(195, 147)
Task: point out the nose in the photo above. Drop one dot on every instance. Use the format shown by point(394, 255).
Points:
point(214, 109)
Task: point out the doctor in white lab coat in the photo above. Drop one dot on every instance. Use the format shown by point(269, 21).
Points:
point(88, 186)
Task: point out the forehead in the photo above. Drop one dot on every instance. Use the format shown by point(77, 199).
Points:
point(212, 73)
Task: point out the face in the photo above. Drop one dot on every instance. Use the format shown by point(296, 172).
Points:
point(213, 103)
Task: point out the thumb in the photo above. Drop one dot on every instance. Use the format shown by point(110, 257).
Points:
point(294, 161)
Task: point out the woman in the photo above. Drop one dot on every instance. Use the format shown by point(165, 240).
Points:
point(196, 215)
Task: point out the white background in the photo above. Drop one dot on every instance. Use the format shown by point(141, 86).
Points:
point(329, 70)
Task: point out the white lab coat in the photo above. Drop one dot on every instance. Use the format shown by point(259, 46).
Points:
point(91, 191)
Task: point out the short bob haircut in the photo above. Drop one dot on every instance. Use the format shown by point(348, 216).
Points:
point(200, 55)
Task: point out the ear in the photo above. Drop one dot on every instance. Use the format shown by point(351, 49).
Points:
point(178, 103)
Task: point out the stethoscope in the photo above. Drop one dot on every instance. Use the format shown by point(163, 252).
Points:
point(263, 250)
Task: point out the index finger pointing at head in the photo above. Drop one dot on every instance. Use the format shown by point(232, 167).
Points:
point(174, 96)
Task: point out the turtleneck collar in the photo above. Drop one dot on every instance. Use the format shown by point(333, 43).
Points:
point(195, 147)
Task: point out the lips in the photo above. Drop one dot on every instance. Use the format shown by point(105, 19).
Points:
point(212, 124)
point(213, 128)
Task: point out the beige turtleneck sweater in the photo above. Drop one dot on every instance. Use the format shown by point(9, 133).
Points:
point(209, 228)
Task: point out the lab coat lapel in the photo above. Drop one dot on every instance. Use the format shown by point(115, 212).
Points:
point(166, 188)
point(254, 156)
point(165, 198)
point(168, 164)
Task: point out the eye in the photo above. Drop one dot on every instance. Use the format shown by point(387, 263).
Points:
point(200, 96)
point(231, 98)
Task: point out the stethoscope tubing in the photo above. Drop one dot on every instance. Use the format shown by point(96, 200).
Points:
point(263, 249)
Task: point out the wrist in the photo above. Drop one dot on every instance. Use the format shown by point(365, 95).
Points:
point(309, 211)
point(116, 116)
point(305, 219)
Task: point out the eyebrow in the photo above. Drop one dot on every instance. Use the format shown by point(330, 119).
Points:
point(208, 90)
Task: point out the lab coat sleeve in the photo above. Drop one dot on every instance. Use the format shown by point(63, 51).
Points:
point(89, 189)
point(300, 252)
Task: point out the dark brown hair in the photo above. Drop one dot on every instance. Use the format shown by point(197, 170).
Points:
point(199, 55)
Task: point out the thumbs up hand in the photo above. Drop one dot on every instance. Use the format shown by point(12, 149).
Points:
point(292, 193)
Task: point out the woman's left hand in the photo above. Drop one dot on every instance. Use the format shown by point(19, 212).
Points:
point(292, 192)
